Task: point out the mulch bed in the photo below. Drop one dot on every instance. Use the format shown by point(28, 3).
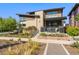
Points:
point(72, 50)
point(38, 52)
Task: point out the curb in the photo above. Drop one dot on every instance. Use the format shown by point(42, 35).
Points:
point(45, 51)
point(65, 49)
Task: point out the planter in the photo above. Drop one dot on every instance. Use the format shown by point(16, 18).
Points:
point(54, 38)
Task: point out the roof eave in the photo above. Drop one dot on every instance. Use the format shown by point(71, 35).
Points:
point(60, 18)
point(75, 6)
point(49, 9)
point(25, 15)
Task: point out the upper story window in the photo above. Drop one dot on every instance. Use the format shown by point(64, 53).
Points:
point(23, 24)
point(52, 13)
point(32, 13)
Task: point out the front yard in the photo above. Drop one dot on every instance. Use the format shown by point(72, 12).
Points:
point(30, 47)
point(28, 32)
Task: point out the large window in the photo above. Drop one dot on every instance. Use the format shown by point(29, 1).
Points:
point(54, 12)
point(23, 24)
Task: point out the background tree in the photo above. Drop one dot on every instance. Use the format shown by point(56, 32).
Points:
point(1, 21)
point(7, 24)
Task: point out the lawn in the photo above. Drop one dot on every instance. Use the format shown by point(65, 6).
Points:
point(30, 47)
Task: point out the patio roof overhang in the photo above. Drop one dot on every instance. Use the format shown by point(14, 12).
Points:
point(28, 15)
point(56, 18)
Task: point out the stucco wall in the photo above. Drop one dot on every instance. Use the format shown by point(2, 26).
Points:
point(28, 22)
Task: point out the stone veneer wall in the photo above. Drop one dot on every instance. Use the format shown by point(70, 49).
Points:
point(39, 21)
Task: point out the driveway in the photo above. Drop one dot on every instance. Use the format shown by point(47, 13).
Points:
point(55, 49)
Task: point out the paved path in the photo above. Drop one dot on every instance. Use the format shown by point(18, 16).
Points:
point(55, 49)
point(39, 40)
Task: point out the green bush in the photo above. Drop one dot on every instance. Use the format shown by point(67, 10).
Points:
point(7, 24)
point(73, 31)
point(43, 34)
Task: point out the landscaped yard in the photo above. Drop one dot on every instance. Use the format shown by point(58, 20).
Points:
point(16, 35)
point(25, 33)
point(56, 36)
point(73, 49)
point(30, 47)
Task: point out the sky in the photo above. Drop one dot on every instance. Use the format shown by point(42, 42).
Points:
point(11, 9)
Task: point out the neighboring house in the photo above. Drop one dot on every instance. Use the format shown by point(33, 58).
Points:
point(44, 20)
point(72, 15)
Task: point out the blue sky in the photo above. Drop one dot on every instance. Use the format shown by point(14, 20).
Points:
point(10, 9)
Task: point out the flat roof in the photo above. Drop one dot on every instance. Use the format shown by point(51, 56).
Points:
point(48, 9)
point(27, 15)
point(75, 6)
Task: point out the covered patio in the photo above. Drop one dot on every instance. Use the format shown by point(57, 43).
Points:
point(55, 24)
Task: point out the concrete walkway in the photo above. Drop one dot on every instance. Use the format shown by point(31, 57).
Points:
point(40, 40)
point(55, 49)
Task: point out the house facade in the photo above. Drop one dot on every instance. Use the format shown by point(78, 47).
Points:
point(44, 20)
point(72, 15)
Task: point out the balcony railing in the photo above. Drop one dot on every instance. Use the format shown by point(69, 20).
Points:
point(52, 16)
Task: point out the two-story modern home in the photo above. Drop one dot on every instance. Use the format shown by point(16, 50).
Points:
point(44, 20)
point(72, 15)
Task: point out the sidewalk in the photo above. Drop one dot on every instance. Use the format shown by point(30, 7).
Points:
point(55, 49)
point(40, 40)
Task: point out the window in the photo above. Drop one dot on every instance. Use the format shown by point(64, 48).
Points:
point(23, 24)
point(52, 12)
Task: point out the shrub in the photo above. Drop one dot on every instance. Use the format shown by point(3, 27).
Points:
point(30, 31)
point(33, 46)
point(76, 44)
point(73, 31)
point(31, 28)
point(43, 34)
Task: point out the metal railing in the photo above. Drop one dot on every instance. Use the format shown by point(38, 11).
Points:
point(51, 16)
point(53, 29)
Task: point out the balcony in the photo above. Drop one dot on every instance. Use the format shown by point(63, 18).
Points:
point(52, 16)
